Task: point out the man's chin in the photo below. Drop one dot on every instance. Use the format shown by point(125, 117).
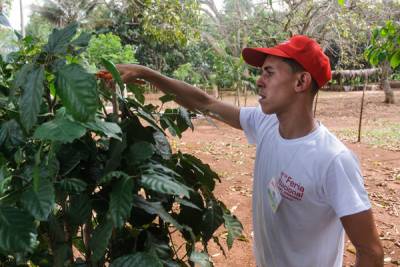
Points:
point(267, 111)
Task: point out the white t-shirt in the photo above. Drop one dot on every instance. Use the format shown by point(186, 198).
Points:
point(319, 180)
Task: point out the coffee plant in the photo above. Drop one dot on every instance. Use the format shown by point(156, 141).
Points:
point(86, 183)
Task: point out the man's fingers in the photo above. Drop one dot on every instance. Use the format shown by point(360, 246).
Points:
point(103, 74)
point(127, 78)
point(141, 82)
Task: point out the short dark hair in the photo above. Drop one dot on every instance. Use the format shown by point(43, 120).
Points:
point(296, 67)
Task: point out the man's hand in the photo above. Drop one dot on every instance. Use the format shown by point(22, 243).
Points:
point(131, 73)
point(361, 230)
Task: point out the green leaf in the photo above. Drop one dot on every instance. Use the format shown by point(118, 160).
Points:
point(161, 183)
point(141, 151)
point(190, 216)
point(202, 172)
point(138, 91)
point(78, 91)
point(110, 129)
point(186, 203)
point(139, 259)
point(114, 72)
point(114, 154)
point(375, 34)
point(5, 179)
point(59, 39)
point(161, 179)
point(79, 209)
point(212, 219)
point(167, 98)
point(99, 241)
point(62, 129)
point(72, 185)
point(17, 230)
point(384, 32)
point(21, 75)
point(158, 246)
point(31, 97)
point(69, 156)
point(373, 57)
point(171, 263)
point(162, 145)
point(202, 259)
point(156, 208)
point(167, 122)
point(184, 118)
point(115, 174)
point(121, 201)
point(149, 118)
point(395, 60)
point(234, 227)
point(39, 203)
point(61, 252)
point(11, 133)
point(82, 40)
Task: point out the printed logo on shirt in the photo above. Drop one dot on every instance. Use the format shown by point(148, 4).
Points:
point(290, 188)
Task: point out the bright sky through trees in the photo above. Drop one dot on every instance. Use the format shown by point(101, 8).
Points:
point(15, 13)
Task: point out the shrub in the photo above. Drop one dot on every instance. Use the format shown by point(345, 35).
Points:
point(82, 186)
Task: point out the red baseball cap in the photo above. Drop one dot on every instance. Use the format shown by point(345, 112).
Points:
point(302, 49)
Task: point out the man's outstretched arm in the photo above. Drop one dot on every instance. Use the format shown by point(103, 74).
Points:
point(186, 95)
point(361, 230)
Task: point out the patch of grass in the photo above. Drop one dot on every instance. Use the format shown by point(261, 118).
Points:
point(382, 134)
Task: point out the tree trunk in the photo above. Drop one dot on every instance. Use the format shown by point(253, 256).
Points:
point(21, 11)
point(215, 91)
point(385, 85)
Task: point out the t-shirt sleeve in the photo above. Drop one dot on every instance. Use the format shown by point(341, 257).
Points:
point(250, 118)
point(344, 185)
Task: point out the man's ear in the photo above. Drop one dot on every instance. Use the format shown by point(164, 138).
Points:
point(304, 81)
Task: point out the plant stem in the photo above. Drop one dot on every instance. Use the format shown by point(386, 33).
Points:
point(87, 229)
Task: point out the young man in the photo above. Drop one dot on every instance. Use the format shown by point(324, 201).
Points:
point(308, 186)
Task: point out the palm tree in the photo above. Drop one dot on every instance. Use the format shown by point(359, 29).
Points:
point(63, 12)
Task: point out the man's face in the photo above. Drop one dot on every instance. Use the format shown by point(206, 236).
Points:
point(276, 85)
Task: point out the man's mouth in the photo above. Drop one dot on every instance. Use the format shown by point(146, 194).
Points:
point(261, 97)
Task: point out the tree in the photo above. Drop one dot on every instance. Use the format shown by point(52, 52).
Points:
point(109, 46)
point(39, 27)
point(160, 30)
point(63, 12)
point(384, 50)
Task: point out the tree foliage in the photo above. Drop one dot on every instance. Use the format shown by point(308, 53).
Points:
point(75, 177)
point(62, 12)
point(169, 35)
point(109, 46)
point(385, 45)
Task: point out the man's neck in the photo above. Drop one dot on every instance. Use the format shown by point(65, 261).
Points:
point(296, 125)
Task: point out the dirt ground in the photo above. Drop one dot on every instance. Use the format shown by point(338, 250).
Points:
point(226, 151)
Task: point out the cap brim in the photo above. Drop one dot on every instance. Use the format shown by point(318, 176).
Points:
point(256, 56)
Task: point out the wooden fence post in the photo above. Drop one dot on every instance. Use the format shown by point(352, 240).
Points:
point(362, 107)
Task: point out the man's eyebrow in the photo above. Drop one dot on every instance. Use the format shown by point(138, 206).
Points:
point(266, 68)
